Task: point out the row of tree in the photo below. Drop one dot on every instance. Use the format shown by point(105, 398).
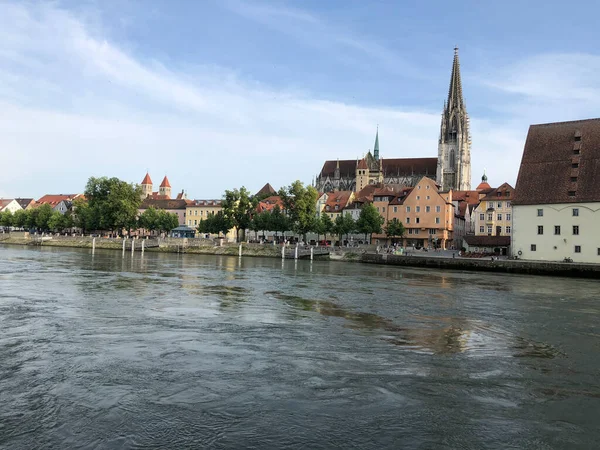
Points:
point(43, 218)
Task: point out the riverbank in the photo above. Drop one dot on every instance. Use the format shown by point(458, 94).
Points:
point(547, 268)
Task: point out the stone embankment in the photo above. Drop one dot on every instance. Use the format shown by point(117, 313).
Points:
point(487, 265)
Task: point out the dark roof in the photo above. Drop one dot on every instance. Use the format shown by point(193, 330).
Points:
point(502, 190)
point(488, 241)
point(266, 189)
point(165, 204)
point(397, 166)
point(24, 202)
point(552, 171)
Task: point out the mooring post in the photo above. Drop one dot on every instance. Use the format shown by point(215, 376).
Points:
point(296, 252)
point(132, 245)
point(123, 247)
point(143, 240)
point(312, 249)
point(240, 253)
point(93, 245)
point(282, 252)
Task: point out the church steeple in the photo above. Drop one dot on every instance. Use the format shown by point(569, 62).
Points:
point(376, 146)
point(454, 150)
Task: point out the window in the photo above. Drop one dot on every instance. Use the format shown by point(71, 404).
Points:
point(508, 217)
point(338, 207)
point(438, 209)
point(418, 197)
point(578, 249)
point(417, 220)
point(489, 229)
point(508, 204)
point(395, 209)
point(189, 222)
point(418, 209)
point(576, 230)
point(499, 205)
point(533, 248)
point(598, 251)
point(490, 217)
point(417, 231)
point(540, 212)
point(577, 138)
point(432, 231)
point(499, 194)
point(575, 212)
point(408, 220)
point(419, 188)
point(482, 229)
point(437, 220)
point(499, 216)
point(410, 231)
point(383, 209)
point(427, 187)
point(573, 179)
point(408, 209)
point(540, 229)
point(575, 165)
point(557, 229)
point(576, 151)
point(507, 194)
point(572, 193)
point(195, 222)
point(481, 216)
point(427, 209)
point(507, 230)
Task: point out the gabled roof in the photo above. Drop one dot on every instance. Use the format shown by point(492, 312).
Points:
point(147, 179)
point(53, 200)
point(165, 183)
point(269, 203)
point(471, 197)
point(362, 164)
point(4, 202)
point(391, 167)
point(24, 202)
point(164, 203)
point(500, 193)
point(560, 164)
point(339, 199)
point(266, 189)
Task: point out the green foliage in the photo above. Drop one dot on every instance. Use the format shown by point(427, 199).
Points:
point(344, 224)
point(113, 203)
point(215, 224)
point(82, 215)
point(20, 218)
point(167, 221)
point(158, 220)
point(55, 221)
point(394, 228)
point(41, 216)
point(261, 222)
point(6, 219)
point(369, 221)
point(278, 221)
point(238, 208)
point(327, 224)
point(300, 203)
point(149, 219)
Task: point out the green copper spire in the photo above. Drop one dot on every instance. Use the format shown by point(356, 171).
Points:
point(376, 147)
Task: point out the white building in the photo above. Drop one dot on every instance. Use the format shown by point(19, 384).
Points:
point(556, 210)
point(9, 204)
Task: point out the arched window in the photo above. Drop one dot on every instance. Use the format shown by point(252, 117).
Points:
point(452, 164)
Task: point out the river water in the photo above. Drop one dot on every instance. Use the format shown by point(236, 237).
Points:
point(187, 351)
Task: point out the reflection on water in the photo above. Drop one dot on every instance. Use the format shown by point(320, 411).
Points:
point(190, 351)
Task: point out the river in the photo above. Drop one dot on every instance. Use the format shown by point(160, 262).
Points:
point(186, 351)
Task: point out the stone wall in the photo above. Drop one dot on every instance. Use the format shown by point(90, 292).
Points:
point(487, 265)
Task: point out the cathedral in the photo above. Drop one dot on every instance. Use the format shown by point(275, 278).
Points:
point(451, 169)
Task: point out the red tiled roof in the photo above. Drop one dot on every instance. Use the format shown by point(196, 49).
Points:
point(471, 197)
point(502, 190)
point(560, 164)
point(165, 203)
point(339, 198)
point(165, 183)
point(362, 164)
point(269, 203)
point(483, 186)
point(147, 179)
point(54, 200)
point(396, 166)
point(4, 202)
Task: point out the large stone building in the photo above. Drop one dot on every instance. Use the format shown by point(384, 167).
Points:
point(556, 209)
point(451, 169)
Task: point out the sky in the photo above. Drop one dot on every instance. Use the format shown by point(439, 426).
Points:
point(217, 94)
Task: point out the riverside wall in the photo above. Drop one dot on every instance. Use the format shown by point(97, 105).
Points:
point(548, 268)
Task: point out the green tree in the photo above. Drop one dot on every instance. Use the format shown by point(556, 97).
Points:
point(19, 218)
point(278, 221)
point(113, 203)
point(149, 219)
point(327, 224)
point(40, 217)
point(55, 221)
point(261, 222)
point(167, 221)
point(344, 224)
point(300, 203)
point(82, 215)
point(238, 208)
point(394, 228)
point(215, 224)
point(6, 219)
point(369, 221)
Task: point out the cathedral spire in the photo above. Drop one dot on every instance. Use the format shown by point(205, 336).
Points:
point(376, 147)
point(455, 95)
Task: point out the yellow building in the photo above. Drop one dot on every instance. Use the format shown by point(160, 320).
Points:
point(493, 215)
point(198, 210)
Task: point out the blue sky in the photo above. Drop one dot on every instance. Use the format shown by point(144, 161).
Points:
point(218, 94)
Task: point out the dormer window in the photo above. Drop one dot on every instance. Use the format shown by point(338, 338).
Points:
point(575, 165)
point(572, 193)
point(577, 138)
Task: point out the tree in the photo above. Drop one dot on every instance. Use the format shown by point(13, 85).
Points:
point(369, 221)
point(82, 215)
point(237, 208)
point(19, 218)
point(166, 221)
point(300, 203)
point(40, 217)
point(149, 219)
point(6, 219)
point(394, 228)
point(344, 224)
point(113, 203)
point(278, 221)
point(261, 222)
point(327, 224)
point(215, 224)
point(55, 221)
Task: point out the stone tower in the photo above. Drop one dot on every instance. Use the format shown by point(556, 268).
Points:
point(146, 186)
point(454, 149)
point(165, 188)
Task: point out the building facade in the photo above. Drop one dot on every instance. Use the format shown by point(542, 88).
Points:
point(556, 209)
point(9, 204)
point(197, 210)
point(454, 148)
point(493, 215)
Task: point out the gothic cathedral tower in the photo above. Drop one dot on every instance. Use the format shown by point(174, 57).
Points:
point(454, 149)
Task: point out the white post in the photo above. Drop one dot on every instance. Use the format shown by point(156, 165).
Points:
point(240, 251)
point(283, 252)
point(132, 245)
point(296, 252)
point(123, 246)
point(143, 240)
point(311, 253)
point(93, 245)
